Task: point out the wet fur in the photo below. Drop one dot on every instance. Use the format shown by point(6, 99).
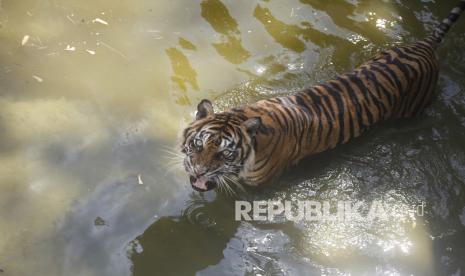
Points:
point(270, 135)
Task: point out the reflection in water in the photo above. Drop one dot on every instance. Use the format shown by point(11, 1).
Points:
point(186, 44)
point(183, 74)
point(286, 35)
point(216, 13)
point(291, 36)
point(343, 14)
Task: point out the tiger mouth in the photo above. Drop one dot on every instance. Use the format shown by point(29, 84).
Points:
point(209, 185)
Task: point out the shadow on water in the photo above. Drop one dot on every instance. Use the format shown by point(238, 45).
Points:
point(199, 234)
point(343, 15)
point(293, 37)
point(183, 74)
point(216, 13)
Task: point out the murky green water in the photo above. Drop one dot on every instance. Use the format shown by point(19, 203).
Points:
point(93, 92)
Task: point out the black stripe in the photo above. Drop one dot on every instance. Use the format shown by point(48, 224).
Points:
point(355, 101)
point(428, 68)
point(370, 76)
point(385, 67)
point(351, 119)
point(283, 116)
point(402, 67)
point(392, 99)
point(366, 93)
point(340, 110)
point(317, 105)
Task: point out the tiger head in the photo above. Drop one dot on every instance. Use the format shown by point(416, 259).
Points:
point(217, 147)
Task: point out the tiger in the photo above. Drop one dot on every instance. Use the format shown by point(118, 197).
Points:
point(254, 144)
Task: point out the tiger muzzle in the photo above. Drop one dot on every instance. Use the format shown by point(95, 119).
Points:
point(202, 184)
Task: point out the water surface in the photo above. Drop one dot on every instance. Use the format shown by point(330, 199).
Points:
point(92, 93)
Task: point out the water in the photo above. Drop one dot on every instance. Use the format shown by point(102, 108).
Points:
point(93, 92)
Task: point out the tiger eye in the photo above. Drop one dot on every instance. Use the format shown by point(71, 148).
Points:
point(227, 153)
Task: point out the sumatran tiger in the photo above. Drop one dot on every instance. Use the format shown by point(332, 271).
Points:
point(255, 143)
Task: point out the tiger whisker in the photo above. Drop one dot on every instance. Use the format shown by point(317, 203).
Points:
point(174, 155)
point(174, 158)
point(235, 182)
point(171, 151)
point(227, 181)
point(222, 185)
point(175, 161)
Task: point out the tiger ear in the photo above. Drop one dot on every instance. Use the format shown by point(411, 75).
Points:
point(204, 109)
point(252, 125)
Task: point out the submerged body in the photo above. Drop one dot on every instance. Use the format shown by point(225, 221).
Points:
point(397, 83)
point(257, 142)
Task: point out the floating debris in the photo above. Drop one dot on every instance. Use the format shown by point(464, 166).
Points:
point(70, 48)
point(139, 179)
point(101, 21)
point(112, 49)
point(25, 40)
point(37, 78)
point(90, 52)
point(99, 222)
point(69, 17)
point(157, 34)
